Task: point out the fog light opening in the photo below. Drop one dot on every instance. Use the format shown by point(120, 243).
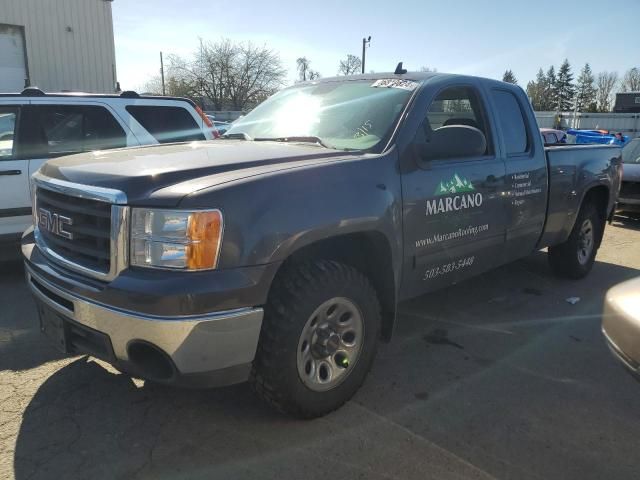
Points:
point(150, 361)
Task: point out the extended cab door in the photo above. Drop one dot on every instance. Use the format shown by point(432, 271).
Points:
point(453, 208)
point(526, 164)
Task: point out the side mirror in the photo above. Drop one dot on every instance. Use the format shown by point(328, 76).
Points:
point(453, 141)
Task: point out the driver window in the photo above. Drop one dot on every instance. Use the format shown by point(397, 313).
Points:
point(457, 106)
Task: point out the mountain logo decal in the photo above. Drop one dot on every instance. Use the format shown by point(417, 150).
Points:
point(454, 195)
point(456, 185)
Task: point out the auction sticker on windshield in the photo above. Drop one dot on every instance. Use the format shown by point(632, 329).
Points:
point(395, 83)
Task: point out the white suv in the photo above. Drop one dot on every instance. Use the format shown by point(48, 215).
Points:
point(35, 127)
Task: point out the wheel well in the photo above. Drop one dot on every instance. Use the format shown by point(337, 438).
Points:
point(599, 196)
point(370, 253)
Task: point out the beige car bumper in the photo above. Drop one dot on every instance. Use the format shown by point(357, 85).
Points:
point(621, 323)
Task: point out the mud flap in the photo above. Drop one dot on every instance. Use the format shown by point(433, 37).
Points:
point(613, 212)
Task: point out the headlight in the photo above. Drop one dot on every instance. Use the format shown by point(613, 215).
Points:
point(175, 238)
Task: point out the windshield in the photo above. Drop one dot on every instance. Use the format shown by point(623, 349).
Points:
point(350, 115)
point(631, 152)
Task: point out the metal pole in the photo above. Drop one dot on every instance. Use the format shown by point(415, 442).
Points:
point(162, 74)
point(364, 42)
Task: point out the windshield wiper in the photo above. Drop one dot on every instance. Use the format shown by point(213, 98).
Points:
point(236, 136)
point(302, 139)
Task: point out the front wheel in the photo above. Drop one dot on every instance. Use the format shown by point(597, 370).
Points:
point(318, 338)
point(575, 257)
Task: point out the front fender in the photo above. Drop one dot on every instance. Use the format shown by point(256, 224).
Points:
point(269, 217)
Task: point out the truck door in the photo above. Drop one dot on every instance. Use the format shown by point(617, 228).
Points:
point(453, 208)
point(526, 167)
point(15, 203)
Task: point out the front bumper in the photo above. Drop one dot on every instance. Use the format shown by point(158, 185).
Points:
point(202, 349)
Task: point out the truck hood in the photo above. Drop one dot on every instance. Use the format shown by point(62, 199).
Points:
point(164, 174)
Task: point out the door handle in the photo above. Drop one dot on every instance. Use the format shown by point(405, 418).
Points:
point(10, 172)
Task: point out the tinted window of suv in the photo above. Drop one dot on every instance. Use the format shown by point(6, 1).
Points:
point(511, 121)
point(68, 129)
point(167, 124)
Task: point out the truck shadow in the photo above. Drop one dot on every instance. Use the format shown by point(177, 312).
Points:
point(88, 421)
point(626, 221)
point(22, 346)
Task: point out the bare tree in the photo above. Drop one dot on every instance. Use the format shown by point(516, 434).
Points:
point(174, 87)
point(350, 66)
point(605, 84)
point(303, 66)
point(229, 75)
point(257, 74)
point(631, 80)
point(314, 74)
point(152, 86)
point(426, 69)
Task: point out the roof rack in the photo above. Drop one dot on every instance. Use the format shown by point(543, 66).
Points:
point(32, 92)
point(129, 94)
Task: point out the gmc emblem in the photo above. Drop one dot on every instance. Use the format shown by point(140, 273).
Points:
point(54, 223)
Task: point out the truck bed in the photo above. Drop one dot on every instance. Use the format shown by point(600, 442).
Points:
point(573, 169)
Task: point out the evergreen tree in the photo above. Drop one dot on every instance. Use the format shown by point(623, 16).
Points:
point(550, 97)
point(536, 91)
point(532, 93)
point(586, 91)
point(509, 77)
point(564, 88)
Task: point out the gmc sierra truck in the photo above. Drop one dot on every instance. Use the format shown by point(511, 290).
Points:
point(278, 254)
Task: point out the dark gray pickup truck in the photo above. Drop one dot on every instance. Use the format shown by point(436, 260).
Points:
point(278, 254)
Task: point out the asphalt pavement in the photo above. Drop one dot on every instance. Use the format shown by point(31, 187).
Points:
point(497, 377)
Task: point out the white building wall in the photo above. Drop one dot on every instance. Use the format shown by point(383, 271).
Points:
point(626, 123)
point(69, 43)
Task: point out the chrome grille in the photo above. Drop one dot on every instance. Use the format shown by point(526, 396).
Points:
point(87, 237)
point(81, 227)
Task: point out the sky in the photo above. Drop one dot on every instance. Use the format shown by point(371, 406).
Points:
point(473, 37)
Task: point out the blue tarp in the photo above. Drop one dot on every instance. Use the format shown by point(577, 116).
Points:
point(596, 136)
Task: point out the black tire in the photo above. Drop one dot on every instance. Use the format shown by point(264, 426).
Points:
point(567, 259)
point(296, 294)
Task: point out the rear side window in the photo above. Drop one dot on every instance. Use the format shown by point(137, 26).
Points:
point(167, 124)
point(67, 129)
point(511, 122)
point(8, 121)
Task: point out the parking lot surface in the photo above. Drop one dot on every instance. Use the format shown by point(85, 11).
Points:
point(497, 377)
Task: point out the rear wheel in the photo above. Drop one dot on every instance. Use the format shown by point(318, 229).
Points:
point(318, 338)
point(574, 258)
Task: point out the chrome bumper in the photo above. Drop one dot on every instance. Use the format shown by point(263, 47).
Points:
point(196, 345)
